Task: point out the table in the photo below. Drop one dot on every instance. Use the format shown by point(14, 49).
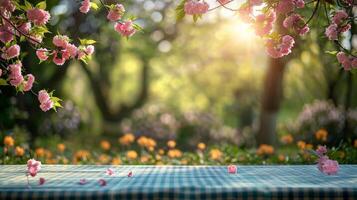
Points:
point(180, 183)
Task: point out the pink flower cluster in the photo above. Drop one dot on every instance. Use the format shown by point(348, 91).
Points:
point(6, 33)
point(45, 100)
point(324, 164)
point(348, 62)
point(296, 23)
point(85, 6)
point(116, 12)
point(38, 16)
point(15, 76)
point(280, 48)
point(64, 51)
point(125, 28)
point(338, 25)
point(11, 52)
point(33, 167)
point(195, 7)
point(264, 23)
point(287, 6)
point(6, 8)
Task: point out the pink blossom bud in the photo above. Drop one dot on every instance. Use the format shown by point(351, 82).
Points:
point(43, 96)
point(58, 58)
point(332, 32)
point(232, 169)
point(24, 28)
point(85, 6)
point(28, 84)
point(15, 76)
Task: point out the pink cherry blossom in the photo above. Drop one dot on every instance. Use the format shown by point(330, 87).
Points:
point(299, 3)
point(130, 174)
point(232, 169)
point(116, 12)
point(89, 50)
point(277, 49)
point(194, 7)
point(38, 16)
point(329, 167)
point(33, 167)
point(29, 82)
point(15, 76)
point(344, 60)
point(46, 106)
point(43, 96)
point(11, 52)
point(42, 54)
point(245, 14)
point(7, 7)
point(264, 23)
point(223, 2)
point(332, 32)
point(6, 31)
point(102, 182)
point(339, 17)
point(45, 100)
point(255, 2)
point(110, 172)
point(354, 63)
point(24, 28)
point(296, 23)
point(85, 6)
point(321, 150)
point(58, 58)
point(82, 181)
point(285, 6)
point(70, 51)
point(41, 181)
point(60, 41)
point(125, 29)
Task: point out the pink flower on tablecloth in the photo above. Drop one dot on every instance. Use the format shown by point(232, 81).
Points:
point(130, 174)
point(110, 172)
point(33, 167)
point(321, 150)
point(232, 169)
point(41, 181)
point(82, 181)
point(329, 167)
point(102, 182)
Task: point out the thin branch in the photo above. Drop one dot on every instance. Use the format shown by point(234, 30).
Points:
point(220, 5)
point(313, 13)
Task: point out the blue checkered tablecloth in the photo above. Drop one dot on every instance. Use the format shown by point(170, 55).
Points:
point(180, 183)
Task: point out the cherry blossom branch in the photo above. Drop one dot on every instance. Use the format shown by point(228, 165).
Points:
point(313, 13)
point(219, 6)
point(22, 33)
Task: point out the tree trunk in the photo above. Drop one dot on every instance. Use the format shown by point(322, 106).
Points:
point(271, 99)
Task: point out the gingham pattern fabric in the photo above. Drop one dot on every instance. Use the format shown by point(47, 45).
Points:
point(180, 183)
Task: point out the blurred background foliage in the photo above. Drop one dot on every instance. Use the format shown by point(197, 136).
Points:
point(186, 82)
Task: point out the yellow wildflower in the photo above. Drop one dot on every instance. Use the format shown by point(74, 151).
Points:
point(40, 152)
point(82, 155)
point(144, 158)
point(309, 146)
point(127, 139)
point(116, 161)
point(19, 151)
point(105, 145)
point(132, 155)
point(287, 139)
point(174, 153)
point(321, 134)
point(171, 144)
point(61, 147)
point(104, 159)
point(265, 149)
point(147, 142)
point(161, 152)
point(281, 158)
point(201, 146)
point(301, 145)
point(9, 141)
point(215, 154)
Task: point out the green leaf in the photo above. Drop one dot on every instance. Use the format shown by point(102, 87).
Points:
point(41, 5)
point(331, 52)
point(28, 5)
point(3, 82)
point(94, 6)
point(87, 41)
point(180, 12)
point(137, 27)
